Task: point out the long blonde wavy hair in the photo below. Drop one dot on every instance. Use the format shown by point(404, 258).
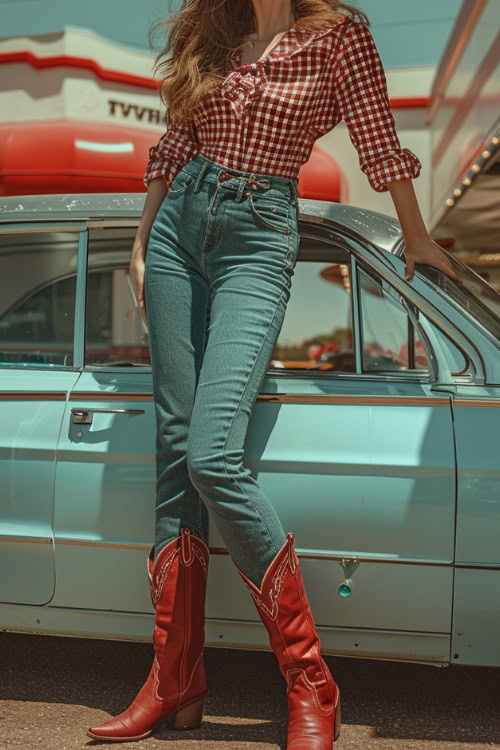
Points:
point(204, 33)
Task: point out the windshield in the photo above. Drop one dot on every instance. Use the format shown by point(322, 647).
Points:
point(475, 295)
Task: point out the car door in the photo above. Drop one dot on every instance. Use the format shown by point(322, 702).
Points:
point(38, 292)
point(356, 451)
point(105, 483)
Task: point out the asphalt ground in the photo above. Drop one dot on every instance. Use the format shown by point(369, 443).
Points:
point(52, 689)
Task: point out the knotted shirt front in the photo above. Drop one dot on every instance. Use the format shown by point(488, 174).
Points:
point(264, 117)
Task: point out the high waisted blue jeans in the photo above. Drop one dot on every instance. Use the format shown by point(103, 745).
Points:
point(219, 264)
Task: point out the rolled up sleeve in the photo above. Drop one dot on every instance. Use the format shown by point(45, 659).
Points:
point(177, 146)
point(361, 93)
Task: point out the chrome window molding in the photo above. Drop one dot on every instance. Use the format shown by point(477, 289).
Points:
point(48, 226)
point(398, 253)
point(380, 262)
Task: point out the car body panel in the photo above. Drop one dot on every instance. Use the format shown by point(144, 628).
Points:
point(370, 488)
point(32, 408)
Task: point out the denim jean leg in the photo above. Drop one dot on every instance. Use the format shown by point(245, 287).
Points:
point(250, 287)
point(177, 299)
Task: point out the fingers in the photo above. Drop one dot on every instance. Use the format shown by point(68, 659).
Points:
point(445, 266)
point(448, 270)
point(142, 304)
point(410, 268)
point(441, 265)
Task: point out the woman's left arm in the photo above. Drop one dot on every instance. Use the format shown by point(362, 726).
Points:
point(361, 95)
point(419, 247)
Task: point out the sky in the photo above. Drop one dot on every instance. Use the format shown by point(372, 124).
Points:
point(407, 32)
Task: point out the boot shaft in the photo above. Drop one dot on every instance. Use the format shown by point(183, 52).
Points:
point(178, 580)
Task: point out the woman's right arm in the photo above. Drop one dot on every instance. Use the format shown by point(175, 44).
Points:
point(177, 146)
point(157, 190)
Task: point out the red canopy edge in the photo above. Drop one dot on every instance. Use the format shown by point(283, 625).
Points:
point(65, 156)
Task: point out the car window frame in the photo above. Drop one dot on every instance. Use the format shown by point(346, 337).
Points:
point(418, 295)
point(361, 251)
point(103, 225)
point(79, 227)
point(421, 376)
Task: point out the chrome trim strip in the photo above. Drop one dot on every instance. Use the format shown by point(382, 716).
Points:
point(223, 551)
point(357, 557)
point(80, 302)
point(461, 401)
point(32, 396)
point(102, 545)
point(28, 229)
point(289, 398)
point(109, 396)
point(296, 398)
point(283, 398)
point(26, 539)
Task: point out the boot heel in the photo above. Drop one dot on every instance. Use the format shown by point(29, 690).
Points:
point(189, 716)
point(336, 728)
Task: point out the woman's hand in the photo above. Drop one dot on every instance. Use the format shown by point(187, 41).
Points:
point(136, 271)
point(419, 248)
point(428, 252)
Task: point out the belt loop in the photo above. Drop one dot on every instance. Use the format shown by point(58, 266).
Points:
point(241, 187)
point(202, 171)
point(293, 192)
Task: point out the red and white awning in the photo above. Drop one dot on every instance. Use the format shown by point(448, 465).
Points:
point(87, 157)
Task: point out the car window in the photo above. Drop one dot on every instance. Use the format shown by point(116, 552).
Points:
point(476, 296)
point(115, 334)
point(389, 340)
point(316, 332)
point(317, 329)
point(37, 298)
point(458, 362)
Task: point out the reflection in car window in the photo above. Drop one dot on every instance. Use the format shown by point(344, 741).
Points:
point(115, 334)
point(37, 298)
point(458, 362)
point(317, 329)
point(475, 295)
point(389, 340)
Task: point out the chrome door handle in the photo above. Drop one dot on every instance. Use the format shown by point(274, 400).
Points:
point(85, 416)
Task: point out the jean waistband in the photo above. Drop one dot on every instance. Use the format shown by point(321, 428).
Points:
point(206, 169)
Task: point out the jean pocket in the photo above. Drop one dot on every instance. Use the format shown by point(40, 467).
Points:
point(270, 212)
point(181, 181)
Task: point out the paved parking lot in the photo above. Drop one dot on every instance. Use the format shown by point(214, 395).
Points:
point(53, 688)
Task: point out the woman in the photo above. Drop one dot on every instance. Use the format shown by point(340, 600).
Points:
point(251, 85)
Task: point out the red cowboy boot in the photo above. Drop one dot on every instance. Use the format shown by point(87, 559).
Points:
point(176, 686)
point(313, 695)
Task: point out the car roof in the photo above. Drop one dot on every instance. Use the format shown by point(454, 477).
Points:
point(379, 228)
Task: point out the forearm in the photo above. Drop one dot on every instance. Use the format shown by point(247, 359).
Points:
point(157, 190)
point(408, 211)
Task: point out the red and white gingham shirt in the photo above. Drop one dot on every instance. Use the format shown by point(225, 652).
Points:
point(264, 117)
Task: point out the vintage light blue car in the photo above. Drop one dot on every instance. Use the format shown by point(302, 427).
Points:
point(376, 436)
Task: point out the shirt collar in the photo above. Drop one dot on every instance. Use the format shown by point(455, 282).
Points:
point(291, 44)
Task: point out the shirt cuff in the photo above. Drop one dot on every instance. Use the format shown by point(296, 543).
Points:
point(159, 166)
point(401, 164)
